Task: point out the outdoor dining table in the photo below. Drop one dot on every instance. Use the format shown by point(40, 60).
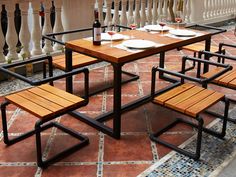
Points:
point(117, 57)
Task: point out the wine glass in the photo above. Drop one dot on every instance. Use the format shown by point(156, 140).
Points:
point(132, 26)
point(111, 31)
point(178, 18)
point(162, 23)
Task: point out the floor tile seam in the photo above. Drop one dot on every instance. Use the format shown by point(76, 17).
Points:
point(11, 121)
point(140, 88)
point(149, 130)
point(100, 155)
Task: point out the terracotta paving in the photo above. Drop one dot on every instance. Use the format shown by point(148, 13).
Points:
point(104, 156)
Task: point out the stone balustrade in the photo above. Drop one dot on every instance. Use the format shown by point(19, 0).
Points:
point(72, 14)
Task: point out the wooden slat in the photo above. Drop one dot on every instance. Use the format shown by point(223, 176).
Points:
point(51, 97)
point(204, 104)
point(61, 93)
point(199, 46)
point(161, 99)
point(232, 84)
point(28, 105)
point(181, 107)
point(40, 101)
point(222, 76)
point(225, 80)
point(183, 96)
point(212, 72)
point(79, 60)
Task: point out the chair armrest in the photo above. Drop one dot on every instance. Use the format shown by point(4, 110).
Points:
point(216, 55)
point(218, 30)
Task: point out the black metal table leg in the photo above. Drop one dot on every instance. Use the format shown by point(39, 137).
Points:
point(207, 48)
point(69, 82)
point(117, 101)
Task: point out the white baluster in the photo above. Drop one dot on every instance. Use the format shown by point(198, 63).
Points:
point(184, 9)
point(24, 35)
point(188, 12)
point(160, 12)
point(2, 41)
point(154, 12)
point(11, 36)
point(175, 5)
point(47, 26)
point(123, 17)
point(116, 19)
point(36, 30)
point(100, 11)
point(143, 13)
point(131, 11)
point(197, 10)
point(136, 13)
point(58, 23)
point(108, 12)
point(149, 12)
point(165, 10)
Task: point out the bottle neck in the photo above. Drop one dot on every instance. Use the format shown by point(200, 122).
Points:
point(96, 14)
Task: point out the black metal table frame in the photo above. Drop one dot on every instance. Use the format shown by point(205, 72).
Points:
point(118, 109)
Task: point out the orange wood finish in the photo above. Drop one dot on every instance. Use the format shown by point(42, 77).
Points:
point(200, 46)
point(44, 101)
point(116, 55)
point(189, 99)
point(79, 60)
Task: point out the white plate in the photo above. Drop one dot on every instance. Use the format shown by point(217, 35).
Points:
point(157, 28)
point(181, 32)
point(115, 37)
point(139, 44)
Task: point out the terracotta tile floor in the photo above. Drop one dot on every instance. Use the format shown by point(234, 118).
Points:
point(105, 156)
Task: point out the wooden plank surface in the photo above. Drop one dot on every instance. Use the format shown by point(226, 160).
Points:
point(183, 96)
point(225, 80)
point(161, 99)
point(51, 97)
point(200, 46)
point(28, 105)
point(40, 101)
point(61, 93)
point(212, 72)
point(116, 55)
point(204, 104)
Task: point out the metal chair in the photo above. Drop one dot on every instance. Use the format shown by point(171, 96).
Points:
point(190, 100)
point(46, 103)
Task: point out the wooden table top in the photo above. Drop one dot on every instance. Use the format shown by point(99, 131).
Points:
point(116, 55)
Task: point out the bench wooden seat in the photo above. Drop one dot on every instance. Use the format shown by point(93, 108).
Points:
point(200, 46)
point(46, 103)
point(189, 99)
point(228, 79)
point(79, 60)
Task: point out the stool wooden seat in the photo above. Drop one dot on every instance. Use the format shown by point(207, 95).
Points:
point(200, 46)
point(79, 60)
point(46, 103)
point(188, 99)
point(227, 80)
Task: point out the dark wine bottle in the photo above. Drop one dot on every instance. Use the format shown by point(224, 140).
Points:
point(96, 29)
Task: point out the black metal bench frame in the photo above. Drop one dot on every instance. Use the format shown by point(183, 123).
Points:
point(155, 136)
point(43, 124)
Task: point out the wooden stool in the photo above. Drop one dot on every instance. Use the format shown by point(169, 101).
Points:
point(46, 103)
point(190, 100)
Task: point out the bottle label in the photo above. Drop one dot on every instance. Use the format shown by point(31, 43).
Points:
point(97, 34)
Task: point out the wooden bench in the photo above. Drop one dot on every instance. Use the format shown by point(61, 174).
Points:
point(200, 46)
point(190, 100)
point(46, 103)
point(79, 60)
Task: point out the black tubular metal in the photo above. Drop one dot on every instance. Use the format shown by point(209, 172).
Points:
point(155, 137)
point(45, 163)
point(154, 70)
point(4, 122)
point(69, 85)
point(217, 55)
point(53, 39)
point(207, 57)
point(218, 30)
point(180, 75)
